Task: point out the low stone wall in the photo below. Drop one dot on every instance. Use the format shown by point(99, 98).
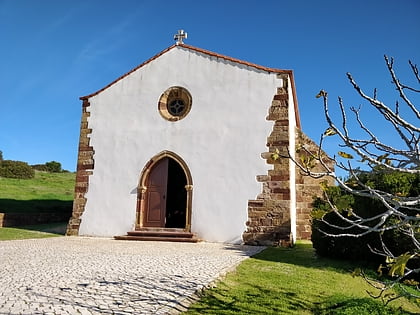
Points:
point(19, 219)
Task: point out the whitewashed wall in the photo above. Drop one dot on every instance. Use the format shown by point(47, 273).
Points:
point(221, 140)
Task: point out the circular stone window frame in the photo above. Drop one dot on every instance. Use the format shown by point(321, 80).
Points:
point(175, 93)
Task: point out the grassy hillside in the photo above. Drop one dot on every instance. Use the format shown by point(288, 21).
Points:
point(46, 192)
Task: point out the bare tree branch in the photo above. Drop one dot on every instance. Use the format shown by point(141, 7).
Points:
point(401, 212)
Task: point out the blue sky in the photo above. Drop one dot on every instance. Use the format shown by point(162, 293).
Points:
point(54, 51)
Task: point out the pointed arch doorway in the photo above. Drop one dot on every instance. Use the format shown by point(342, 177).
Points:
point(165, 193)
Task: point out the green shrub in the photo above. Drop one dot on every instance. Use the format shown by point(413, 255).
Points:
point(53, 167)
point(340, 247)
point(16, 169)
point(353, 248)
point(40, 167)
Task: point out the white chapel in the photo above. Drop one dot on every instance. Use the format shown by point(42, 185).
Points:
point(179, 148)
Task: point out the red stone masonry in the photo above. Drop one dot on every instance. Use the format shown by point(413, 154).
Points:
point(85, 165)
point(269, 221)
point(269, 215)
point(308, 187)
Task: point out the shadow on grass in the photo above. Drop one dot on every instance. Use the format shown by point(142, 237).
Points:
point(260, 300)
point(361, 306)
point(54, 228)
point(36, 215)
point(255, 299)
point(35, 206)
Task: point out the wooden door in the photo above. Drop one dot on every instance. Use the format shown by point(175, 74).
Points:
point(155, 210)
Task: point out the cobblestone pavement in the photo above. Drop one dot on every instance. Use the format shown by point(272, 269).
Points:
point(79, 275)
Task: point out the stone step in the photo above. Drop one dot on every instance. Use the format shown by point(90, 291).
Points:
point(158, 229)
point(157, 238)
point(159, 234)
point(181, 234)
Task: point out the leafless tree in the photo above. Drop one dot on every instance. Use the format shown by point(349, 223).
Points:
point(377, 156)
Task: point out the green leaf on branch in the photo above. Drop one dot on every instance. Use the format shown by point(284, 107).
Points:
point(345, 155)
point(308, 161)
point(380, 268)
point(330, 132)
point(276, 155)
point(318, 214)
point(324, 185)
point(382, 157)
point(398, 265)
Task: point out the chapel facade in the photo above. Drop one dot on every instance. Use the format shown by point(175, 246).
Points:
point(183, 145)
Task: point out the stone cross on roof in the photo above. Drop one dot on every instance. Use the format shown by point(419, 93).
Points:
point(180, 36)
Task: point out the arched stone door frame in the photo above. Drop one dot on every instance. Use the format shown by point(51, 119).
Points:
point(142, 187)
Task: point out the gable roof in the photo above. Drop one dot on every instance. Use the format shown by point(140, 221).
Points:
point(212, 54)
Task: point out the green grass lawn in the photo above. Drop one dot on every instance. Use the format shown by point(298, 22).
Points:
point(32, 231)
point(295, 281)
point(45, 192)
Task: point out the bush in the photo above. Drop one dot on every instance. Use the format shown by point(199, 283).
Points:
point(16, 169)
point(53, 167)
point(342, 247)
point(357, 248)
point(40, 167)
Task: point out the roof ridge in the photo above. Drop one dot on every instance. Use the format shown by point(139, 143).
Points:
point(235, 60)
